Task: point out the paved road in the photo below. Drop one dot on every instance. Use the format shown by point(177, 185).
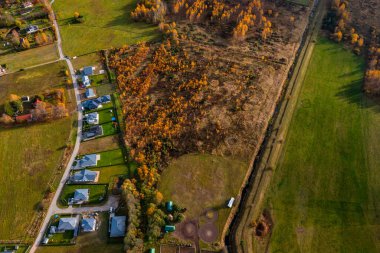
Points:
point(241, 236)
point(53, 209)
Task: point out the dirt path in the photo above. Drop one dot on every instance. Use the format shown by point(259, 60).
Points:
point(241, 237)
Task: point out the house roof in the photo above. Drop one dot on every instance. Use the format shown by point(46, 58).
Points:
point(104, 99)
point(88, 161)
point(24, 117)
point(92, 118)
point(81, 195)
point(91, 104)
point(85, 176)
point(68, 223)
point(117, 226)
point(88, 224)
point(93, 132)
point(86, 80)
point(88, 71)
point(90, 93)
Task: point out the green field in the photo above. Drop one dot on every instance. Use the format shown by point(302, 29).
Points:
point(325, 193)
point(107, 24)
point(98, 193)
point(107, 174)
point(30, 155)
point(199, 182)
point(29, 57)
point(112, 157)
point(33, 81)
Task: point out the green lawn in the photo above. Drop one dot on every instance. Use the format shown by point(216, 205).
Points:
point(107, 24)
point(109, 129)
point(94, 242)
point(28, 58)
point(107, 174)
point(33, 81)
point(98, 193)
point(29, 155)
point(112, 157)
point(202, 181)
point(105, 116)
point(325, 194)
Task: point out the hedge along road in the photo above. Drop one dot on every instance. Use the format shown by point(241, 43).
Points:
point(241, 234)
point(53, 208)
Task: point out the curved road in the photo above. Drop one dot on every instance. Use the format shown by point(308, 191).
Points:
point(53, 208)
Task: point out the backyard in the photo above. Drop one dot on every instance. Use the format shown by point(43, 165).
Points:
point(324, 195)
point(106, 24)
point(32, 154)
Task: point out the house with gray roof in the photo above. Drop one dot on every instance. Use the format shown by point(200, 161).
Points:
point(81, 196)
point(104, 99)
point(88, 224)
point(117, 226)
point(90, 93)
point(88, 71)
point(90, 160)
point(67, 223)
point(92, 118)
point(85, 176)
point(92, 133)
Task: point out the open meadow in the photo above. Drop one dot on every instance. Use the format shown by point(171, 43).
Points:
point(325, 193)
point(203, 182)
point(29, 155)
point(106, 24)
point(28, 58)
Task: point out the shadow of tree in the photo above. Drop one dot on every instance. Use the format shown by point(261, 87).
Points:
point(354, 94)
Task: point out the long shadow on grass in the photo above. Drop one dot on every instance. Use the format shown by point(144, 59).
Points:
point(354, 94)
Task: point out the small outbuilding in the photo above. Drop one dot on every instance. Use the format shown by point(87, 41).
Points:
point(169, 228)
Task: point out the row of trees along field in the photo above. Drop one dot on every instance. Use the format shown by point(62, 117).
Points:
point(372, 77)
point(338, 22)
point(240, 16)
point(154, 124)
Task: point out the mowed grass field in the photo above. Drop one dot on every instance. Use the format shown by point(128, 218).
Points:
point(325, 193)
point(200, 182)
point(29, 155)
point(107, 24)
point(29, 57)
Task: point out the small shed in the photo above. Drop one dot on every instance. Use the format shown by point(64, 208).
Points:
point(169, 206)
point(152, 250)
point(169, 228)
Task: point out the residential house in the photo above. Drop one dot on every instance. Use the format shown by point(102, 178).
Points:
point(86, 81)
point(81, 196)
point(117, 226)
point(88, 224)
point(93, 132)
point(31, 29)
point(85, 176)
point(88, 71)
point(92, 118)
point(104, 99)
point(90, 93)
point(91, 105)
point(67, 223)
point(85, 161)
